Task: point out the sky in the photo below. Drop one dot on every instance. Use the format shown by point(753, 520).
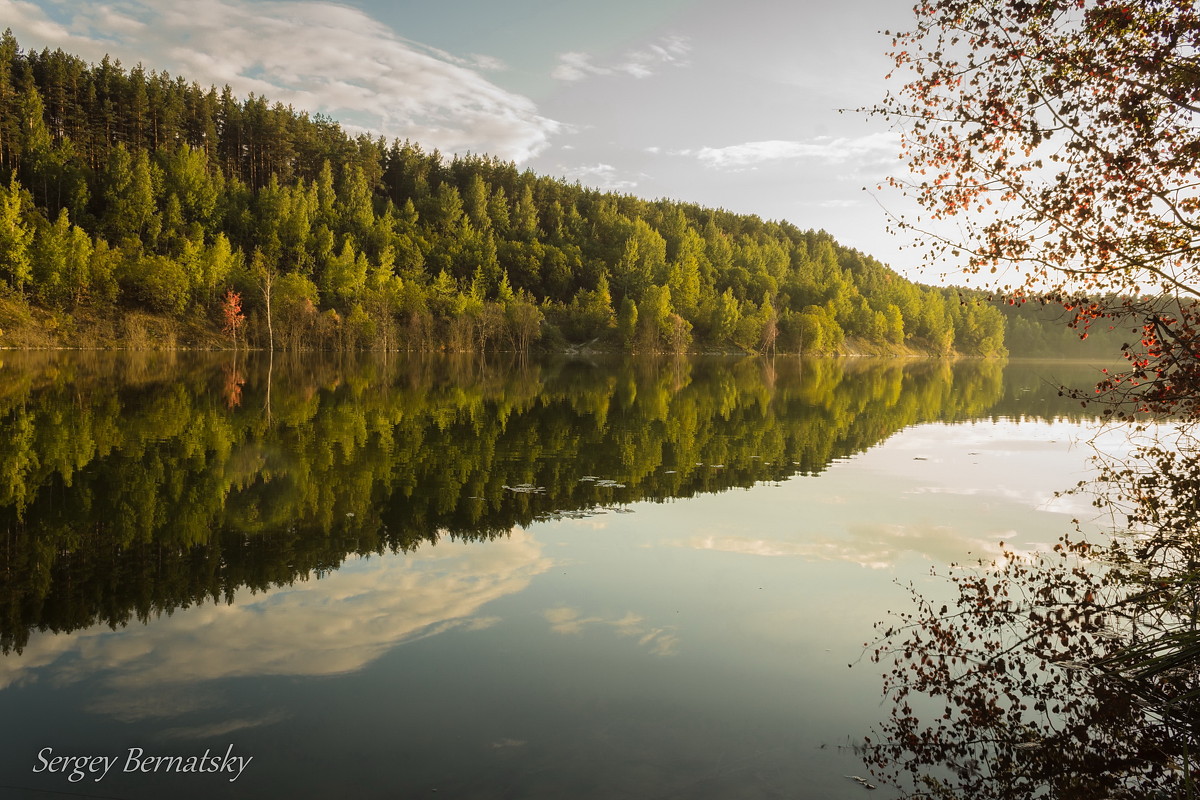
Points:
point(746, 105)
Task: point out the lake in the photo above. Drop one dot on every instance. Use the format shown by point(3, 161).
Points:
point(417, 577)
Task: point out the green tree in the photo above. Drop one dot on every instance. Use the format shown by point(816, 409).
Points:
point(355, 204)
point(643, 261)
point(128, 197)
point(525, 321)
point(345, 277)
point(627, 321)
point(295, 307)
point(327, 213)
point(15, 238)
point(475, 203)
point(36, 145)
point(445, 208)
point(102, 273)
point(768, 319)
point(187, 177)
point(591, 312)
point(61, 257)
point(158, 283)
point(654, 319)
point(684, 274)
point(497, 210)
point(726, 316)
point(525, 216)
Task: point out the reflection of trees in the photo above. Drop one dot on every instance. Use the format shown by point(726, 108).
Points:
point(132, 486)
point(1074, 674)
point(1156, 492)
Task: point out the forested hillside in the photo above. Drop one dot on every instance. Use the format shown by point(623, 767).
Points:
point(128, 192)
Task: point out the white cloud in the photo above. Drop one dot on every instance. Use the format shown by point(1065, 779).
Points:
point(669, 51)
point(488, 62)
point(871, 149)
point(315, 56)
point(838, 204)
point(600, 176)
point(574, 67)
point(26, 18)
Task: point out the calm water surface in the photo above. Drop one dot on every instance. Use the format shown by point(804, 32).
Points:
point(487, 580)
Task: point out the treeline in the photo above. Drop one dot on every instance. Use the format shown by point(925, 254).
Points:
point(1047, 330)
point(130, 190)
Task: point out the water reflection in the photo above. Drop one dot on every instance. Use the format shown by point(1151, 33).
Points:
point(1069, 673)
point(878, 546)
point(303, 518)
point(311, 627)
point(137, 485)
point(659, 641)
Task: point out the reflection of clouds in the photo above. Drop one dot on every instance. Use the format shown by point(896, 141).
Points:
point(1006, 461)
point(661, 642)
point(219, 729)
point(336, 624)
point(155, 702)
point(876, 546)
point(570, 621)
point(745, 545)
point(1039, 499)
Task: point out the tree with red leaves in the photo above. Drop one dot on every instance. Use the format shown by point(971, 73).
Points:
point(1061, 141)
point(1054, 146)
point(232, 318)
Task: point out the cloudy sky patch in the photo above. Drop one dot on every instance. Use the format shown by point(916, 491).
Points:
point(870, 148)
point(601, 176)
point(669, 51)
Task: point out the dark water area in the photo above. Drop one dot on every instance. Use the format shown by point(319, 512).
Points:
point(399, 577)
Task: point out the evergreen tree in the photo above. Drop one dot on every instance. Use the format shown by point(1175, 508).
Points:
point(525, 216)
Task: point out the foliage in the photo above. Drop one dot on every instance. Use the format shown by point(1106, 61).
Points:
point(1060, 138)
point(1001, 693)
point(15, 239)
point(1153, 495)
point(232, 318)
